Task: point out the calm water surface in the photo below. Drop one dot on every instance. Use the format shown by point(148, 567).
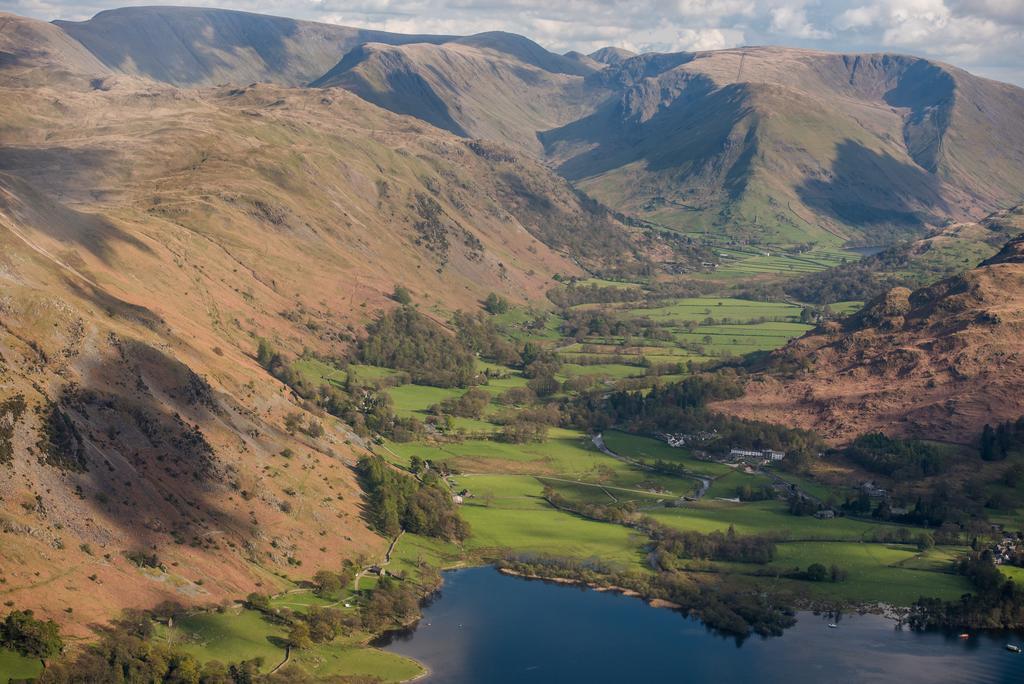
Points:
point(490, 628)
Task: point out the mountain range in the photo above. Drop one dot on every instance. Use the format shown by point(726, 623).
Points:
point(772, 145)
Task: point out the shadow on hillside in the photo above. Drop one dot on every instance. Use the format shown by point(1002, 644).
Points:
point(118, 308)
point(38, 211)
point(876, 193)
point(148, 470)
point(689, 135)
point(406, 92)
point(927, 90)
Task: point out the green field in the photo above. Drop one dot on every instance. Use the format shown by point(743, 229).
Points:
point(612, 370)
point(892, 573)
point(649, 450)
point(699, 308)
point(317, 371)
point(232, 636)
point(239, 634)
point(339, 659)
point(725, 486)
point(565, 451)
point(415, 550)
point(507, 511)
point(725, 327)
point(744, 262)
point(16, 666)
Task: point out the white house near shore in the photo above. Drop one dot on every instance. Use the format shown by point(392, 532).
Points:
point(766, 454)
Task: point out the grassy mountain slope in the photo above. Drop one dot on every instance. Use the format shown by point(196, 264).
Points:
point(204, 46)
point(473, 87)
point(34, 53)
point(935, 363)
point(773, 145)
point(789, 145)
point(140, 264)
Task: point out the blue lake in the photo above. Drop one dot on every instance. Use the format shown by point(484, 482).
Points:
point(492, 628)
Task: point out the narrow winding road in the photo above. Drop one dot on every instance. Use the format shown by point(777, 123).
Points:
point(384, 563)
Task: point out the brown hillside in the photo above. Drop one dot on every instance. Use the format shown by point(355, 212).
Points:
point(936, 363)
point(148, 237)
point(470, 87)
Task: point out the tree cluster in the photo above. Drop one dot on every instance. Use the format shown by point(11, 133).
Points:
point(997, 442)
point(672, 544)
point(898, 458)
point(405, 339)
point(397, 501)
point(22, 632)
point(470, 404)
point(997, 602)
point(479, 334)
point(392, 602)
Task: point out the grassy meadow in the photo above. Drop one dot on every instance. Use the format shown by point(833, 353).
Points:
point(505, 483)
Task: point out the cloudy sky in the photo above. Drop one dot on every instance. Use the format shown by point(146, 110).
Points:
point(983, 36)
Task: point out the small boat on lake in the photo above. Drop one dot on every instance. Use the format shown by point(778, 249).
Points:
point(832, 625)
point(1013, 648)
point(965, 635)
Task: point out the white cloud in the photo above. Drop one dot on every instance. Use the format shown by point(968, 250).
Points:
point(858, 17)
point(792, 21)
point(981, 35)
point(715, 9)
point(694, 40)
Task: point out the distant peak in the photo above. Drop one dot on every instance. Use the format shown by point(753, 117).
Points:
point(611, 55)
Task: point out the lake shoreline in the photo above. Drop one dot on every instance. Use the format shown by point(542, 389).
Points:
point(488, 627)
point(816, 606)
point(651, 601)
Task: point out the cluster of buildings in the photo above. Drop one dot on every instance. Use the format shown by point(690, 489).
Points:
point(684, 439)
point(872, 490)
point(748, 457)
point(1008, 550)
point(767, 455)
point(736, 456)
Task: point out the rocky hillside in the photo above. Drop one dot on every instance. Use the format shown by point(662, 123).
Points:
point(936, 363)
point(140, 442)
